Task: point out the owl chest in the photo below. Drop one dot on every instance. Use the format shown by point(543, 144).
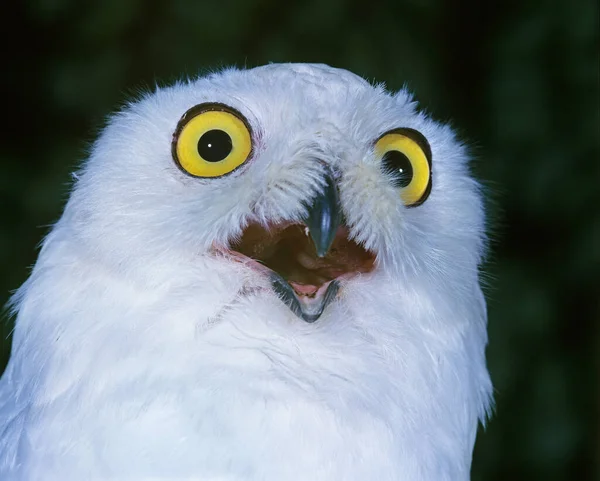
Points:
point(235, 427)
point(237, 401)
point(244, 413)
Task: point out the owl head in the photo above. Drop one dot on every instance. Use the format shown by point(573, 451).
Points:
point(269, 272)
point(304, 179)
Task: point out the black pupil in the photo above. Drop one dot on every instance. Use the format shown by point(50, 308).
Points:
point(214, 145)
point(399, 167)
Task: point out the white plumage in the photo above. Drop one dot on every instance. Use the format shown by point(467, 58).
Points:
point(145, 349)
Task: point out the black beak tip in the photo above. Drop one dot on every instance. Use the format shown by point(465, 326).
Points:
point(308, 313)
point(323, 249)
point(310, 318)
point(324, 216)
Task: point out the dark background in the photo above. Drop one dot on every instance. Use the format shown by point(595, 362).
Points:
point(518, 80)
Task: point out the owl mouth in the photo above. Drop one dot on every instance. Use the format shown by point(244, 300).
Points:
point(305, 281)
point(305, 262)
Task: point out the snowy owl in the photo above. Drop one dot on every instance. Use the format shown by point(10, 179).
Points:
point(265, 274)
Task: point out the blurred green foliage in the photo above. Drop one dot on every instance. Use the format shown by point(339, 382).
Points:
point(519, 80)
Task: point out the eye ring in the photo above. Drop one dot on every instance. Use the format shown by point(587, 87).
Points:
point(418, 154)
point(185, 144)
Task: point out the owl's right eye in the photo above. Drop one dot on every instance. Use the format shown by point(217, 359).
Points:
point(211, 140)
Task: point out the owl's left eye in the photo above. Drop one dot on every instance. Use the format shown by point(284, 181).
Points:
point(211, 140)
point(406, 157)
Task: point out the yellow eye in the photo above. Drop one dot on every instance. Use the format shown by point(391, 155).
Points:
point(211, 140)
point(406, 158)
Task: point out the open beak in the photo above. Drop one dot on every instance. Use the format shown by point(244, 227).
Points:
point(305, 261)
point(323, 220)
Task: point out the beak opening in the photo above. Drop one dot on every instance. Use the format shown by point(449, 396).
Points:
point(306, 269)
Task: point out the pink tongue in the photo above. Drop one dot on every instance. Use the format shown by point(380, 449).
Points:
point(313, 299)
point(304, 289)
